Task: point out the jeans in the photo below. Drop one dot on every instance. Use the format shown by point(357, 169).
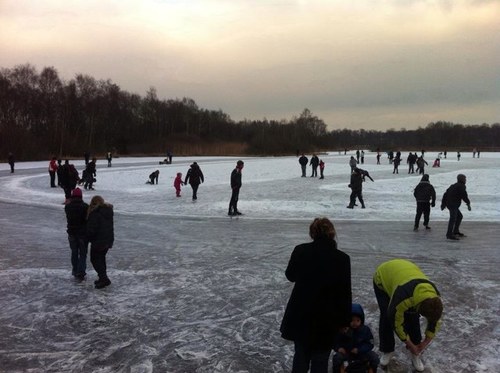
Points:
point(386, 328)
point(425, 208)
point(314, 171)
point(98, 260)
point(52, 179)
point(454, 222)
point(78, 245)
point(305, 357)
point(303, 170)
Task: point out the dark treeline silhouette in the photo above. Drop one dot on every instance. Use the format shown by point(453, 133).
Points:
point(42, 115)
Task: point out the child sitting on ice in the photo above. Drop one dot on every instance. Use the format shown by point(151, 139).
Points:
point(437, 163)
point(177, 184)
point(355, 345)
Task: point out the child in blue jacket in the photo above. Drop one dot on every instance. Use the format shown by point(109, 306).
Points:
point(355, 344)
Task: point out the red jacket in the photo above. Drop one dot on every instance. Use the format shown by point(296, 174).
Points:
point(53, 165)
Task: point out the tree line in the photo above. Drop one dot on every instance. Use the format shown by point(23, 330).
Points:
point(42, 115)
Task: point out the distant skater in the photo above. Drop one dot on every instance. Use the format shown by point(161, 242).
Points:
point(303, 164)
point(235, 188)
point(109, 158)
point(314, 165)
point(11, 161)
point(425, 196)
point(458, 156)
point(153, 177)
point(452, 199)
point(356, 186)
point(194, 177)
point(353, 163)
point(321, 168)
point(177, 184)
point(52, 172)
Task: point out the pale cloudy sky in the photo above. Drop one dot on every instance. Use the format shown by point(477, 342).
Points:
point(372, 64)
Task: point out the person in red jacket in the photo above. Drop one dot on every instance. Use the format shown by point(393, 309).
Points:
point(177, 184)
point(52, 172)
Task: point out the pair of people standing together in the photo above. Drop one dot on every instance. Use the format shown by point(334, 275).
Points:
point(89, 223)
point(321, 300)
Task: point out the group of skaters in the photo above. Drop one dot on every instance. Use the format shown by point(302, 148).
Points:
point(424, 192)
point(320, 315)
point(194, 177)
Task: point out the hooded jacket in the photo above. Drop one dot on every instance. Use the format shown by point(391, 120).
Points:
point(424, 191)
point(100, 227)
point(360, 338)
point(194, 176)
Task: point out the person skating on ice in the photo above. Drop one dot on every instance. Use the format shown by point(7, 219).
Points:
point(235, 189)
point(356, 186)
point(452, 199)
point(177, 184)
point(425, 195)
point(303, 164)
point(153, 177)
point(314, 165)
point(194, 177)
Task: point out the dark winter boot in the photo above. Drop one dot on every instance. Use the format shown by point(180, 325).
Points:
point(103, 283)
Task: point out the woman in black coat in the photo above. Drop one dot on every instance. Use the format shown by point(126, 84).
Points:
point(320, 303)
point(195, 177)
point(100, 233)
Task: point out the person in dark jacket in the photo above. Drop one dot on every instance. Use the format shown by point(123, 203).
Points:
point(320, 303)
point(153, 177)
point(421, 163)
point(356, 186)
point(235, 187)
point(303, 164)
point(425, 195)
point(100, 233)
point(452, 199)
point(69, 179)
point(411, 160)
point(76, 216)
point(59, 172)
point(396, 164)
point(11, 161)
point(314, 164)
point(194, 177)
point(355, 344)
point(90, 173)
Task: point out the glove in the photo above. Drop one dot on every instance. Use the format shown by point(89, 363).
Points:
point(443, 207)
point(469, 208)
point(433, 204)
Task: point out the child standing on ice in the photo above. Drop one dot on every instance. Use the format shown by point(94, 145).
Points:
point(177, 184)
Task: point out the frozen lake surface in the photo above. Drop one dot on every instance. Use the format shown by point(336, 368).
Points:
point(196, 291)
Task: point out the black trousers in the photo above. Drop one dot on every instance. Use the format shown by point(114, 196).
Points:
point(195, 190)
point(356, 194)
point(98, 260)
point(423, 208)
point(304, 357)
point(52, 178)
point(233, 203)
point(386, 328)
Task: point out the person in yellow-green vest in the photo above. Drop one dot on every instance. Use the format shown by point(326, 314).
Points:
point(404, 293)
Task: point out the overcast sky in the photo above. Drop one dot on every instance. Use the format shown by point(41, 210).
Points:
point(373, 64)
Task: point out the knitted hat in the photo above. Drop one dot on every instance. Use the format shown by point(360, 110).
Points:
point(425, 177)
point(77, 193)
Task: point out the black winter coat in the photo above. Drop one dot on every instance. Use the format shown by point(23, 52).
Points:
point(454, 195)
point(424, 192)
point(320, 303)
point(76, 216)
point(236, 179)
point(100, 227)
point(194, 176)
point(356, 181)
point(303, 160)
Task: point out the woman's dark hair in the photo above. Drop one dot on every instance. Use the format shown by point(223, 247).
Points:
point(322, 228)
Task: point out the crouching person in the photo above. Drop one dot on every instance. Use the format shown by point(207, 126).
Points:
point(354, 345)
point(100, 233)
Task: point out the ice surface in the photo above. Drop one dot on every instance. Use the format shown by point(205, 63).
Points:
point(196, 291)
